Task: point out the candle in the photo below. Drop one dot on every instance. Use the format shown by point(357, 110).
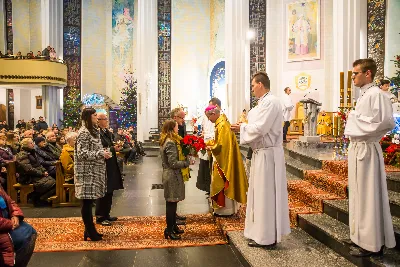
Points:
point(335, 125)
point(341, 80)
point(349, 74)
point(349, 96)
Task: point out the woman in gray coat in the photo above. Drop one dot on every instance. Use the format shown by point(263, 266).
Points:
point(89, 169)
point(174, 187)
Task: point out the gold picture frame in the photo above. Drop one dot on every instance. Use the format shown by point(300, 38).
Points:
point(39, 102)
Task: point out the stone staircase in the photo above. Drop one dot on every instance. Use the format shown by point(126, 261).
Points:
point(321, 186)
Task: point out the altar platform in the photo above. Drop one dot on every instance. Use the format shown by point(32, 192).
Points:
point(318, 199)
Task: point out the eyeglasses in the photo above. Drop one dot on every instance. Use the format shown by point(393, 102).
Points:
point(102, 119)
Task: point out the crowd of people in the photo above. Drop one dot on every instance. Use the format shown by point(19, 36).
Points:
point(48, 53)
point(37, 148)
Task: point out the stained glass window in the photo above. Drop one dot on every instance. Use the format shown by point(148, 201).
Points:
point(72, 18)
point(257, 23)
point(164, 60)
point(376, 33)
point(9, 30)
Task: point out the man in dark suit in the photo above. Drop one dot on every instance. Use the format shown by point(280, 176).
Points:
point(114, 177)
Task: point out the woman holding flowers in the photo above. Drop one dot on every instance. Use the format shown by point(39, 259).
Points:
point(175, 168)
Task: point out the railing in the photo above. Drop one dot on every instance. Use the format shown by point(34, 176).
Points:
point(32, 71)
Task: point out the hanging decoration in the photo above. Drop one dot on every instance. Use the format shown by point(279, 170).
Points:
point(9, 24)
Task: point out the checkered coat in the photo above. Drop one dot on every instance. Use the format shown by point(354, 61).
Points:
point(89, 166)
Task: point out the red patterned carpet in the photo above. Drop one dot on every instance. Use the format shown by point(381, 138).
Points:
point(66, 234)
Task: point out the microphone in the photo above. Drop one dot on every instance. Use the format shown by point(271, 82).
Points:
point(309, 92)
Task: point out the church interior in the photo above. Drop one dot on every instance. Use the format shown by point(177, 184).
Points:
point(136, 61)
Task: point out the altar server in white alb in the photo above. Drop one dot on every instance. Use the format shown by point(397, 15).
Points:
point(267, 214)
point(370, 220)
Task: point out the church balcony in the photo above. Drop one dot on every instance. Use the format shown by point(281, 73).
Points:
point(32, 71)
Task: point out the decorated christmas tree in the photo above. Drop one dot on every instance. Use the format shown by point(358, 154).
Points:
point(72, 104)
point(128, 102)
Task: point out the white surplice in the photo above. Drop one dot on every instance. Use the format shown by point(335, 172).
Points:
point(369, 213)
point(267, 213)
point(288, 106)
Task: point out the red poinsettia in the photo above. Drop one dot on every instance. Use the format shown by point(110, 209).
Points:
point(192, 144)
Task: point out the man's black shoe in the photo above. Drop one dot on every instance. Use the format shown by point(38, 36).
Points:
point(253, 244)
point(112, 219)
point(360, 252)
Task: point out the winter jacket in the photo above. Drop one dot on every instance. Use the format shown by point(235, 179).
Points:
point(89, 166)
point(67, 161)
point(6, 245)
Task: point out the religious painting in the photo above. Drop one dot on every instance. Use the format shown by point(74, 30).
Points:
point(39, 102)
point(122, 42)
point(303, 30)
point(217, 81)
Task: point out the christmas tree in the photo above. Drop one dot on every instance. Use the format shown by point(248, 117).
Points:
point(128, 102)
point(72, 104)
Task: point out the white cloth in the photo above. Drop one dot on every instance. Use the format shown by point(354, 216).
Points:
point(288, 106)
point(208, 129)
point(391, 96)
point(267, 213)
point(369, 212)
point(229, 209)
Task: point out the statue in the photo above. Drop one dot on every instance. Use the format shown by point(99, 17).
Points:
point(243, 117)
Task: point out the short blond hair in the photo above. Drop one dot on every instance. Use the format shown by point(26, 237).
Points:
point(70, 135)
point(26, 141)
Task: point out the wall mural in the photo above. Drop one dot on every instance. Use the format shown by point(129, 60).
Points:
point(164, 60)
point(257, 22)
point(72, 29)
point(303, 30)
point(217, 82)
point(9, 30)
point(376, 33)
point(122, 42)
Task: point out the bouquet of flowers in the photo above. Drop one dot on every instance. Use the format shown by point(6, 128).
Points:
point(192, 144)
point(391, 147)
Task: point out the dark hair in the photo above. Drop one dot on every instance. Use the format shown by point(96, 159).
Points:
point(244, 110)
point(86, 118)
point(215, 101)
point(286, 89)
point(383, 82)
point(262, 77)
point(365, 65)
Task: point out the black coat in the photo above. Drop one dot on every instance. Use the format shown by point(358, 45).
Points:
point(114, 177)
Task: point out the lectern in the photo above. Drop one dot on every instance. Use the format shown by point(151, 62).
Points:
point(311, 110)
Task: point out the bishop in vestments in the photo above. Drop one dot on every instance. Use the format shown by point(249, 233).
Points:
point(267, 213)
point(370, 220)
point(229, 181)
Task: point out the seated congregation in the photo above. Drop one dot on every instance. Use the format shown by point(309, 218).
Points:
point(37, 163)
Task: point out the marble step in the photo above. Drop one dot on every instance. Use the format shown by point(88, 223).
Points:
point(339, 210)
point(296, 249)
point(332, 232)
point(296, 163)
point(296, 166)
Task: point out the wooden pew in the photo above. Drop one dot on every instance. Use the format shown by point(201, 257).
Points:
point(65, 193)
point(18, 192)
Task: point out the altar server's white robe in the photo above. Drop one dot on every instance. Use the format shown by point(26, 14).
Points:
point(267, 214)
point(369, 213)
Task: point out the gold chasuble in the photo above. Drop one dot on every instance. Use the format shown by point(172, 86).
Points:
point(228, 175)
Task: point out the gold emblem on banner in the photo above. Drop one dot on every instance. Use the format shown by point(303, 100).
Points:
point(303, 81)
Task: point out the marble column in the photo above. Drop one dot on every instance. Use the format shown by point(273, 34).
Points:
point(52, 25)
point(237, 51)
point(349, 40)
point(51, 104)
point(147, 74)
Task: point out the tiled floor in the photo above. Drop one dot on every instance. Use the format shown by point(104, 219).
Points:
point(139, 200)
